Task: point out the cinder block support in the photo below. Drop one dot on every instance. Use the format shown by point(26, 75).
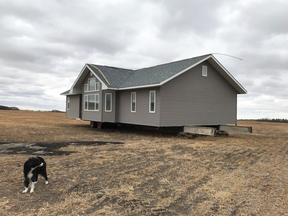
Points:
point(208, 131)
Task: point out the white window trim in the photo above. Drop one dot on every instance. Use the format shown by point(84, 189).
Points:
point(204, 71)
point(150, 111)
point(97, 85)
point(86, 96)
point(68, 103)
point(106, 103)
point(134, 111)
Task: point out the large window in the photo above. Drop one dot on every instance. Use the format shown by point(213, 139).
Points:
point(152, 101)
point(108, 102)
point(133, 102)
point(93, 85)
point(91, 102)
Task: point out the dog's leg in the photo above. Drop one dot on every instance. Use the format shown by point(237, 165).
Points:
point(25, 190)
point(26, 185)
point(44, 174)
point(32, 187)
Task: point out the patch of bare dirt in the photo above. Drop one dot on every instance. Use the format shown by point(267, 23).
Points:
point(140, 172)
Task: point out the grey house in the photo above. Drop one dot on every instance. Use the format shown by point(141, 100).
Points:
point(195, 91)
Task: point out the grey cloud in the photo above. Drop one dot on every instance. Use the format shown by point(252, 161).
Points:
point(184, 17)
point(45, 44)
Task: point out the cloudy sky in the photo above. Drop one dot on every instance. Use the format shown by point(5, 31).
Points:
point(45, 44)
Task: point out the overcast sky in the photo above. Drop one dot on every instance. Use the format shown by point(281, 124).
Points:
point(44, 44)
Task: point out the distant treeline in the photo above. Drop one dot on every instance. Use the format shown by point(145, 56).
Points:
point(273, 120)
point(8, 108)
point(2, 107)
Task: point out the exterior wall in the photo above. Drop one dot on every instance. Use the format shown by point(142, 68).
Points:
point(74, 107)
point(142, 115)
point(90, 115)
point(109, 116)
point(191, 99)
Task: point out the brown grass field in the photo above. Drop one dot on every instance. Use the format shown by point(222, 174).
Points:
point(140, 172)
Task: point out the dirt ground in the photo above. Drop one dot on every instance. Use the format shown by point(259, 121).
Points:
point(140, 172)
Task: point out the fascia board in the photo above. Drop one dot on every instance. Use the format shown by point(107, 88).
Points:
point(228, 76)
point(136, 87)
point(104, 86)
point(76, 81)
point(70, 94)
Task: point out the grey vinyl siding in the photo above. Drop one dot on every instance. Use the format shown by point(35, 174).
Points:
point(109, 116)
point(90, 115)
point(142, 115)
point(74, 107)
point(191, 99)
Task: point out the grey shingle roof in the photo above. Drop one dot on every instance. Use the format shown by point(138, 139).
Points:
point(123, 78)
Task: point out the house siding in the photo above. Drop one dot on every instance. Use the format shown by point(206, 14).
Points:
point(142, 115)
point(191, 99)
point(74, 107)
point(90, 115)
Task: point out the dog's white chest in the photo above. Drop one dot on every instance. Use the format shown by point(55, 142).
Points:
point(30, 174)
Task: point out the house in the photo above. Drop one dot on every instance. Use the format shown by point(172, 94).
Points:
point(195, 91)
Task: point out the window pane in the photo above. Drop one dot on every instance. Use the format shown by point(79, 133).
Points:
point(91, 102)
point(108, 102)
point(97, 86)
point(204, 70)
point(152, 101)
point(92, 84)
point(68, 103)
point(86, 102)
point(133, 102)
point(97, 102)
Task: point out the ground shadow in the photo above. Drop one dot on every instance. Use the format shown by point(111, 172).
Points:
point(45, 148)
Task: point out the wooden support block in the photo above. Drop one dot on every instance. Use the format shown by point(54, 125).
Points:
point(208, 131)
point(235, 128)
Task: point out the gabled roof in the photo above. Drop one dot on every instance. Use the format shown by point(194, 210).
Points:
point(120, 79)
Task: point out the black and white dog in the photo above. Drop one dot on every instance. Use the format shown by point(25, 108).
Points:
point(32, 167)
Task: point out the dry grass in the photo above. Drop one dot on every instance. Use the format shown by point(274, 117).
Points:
point(150, 174)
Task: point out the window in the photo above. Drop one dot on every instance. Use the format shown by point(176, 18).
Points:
point(108, 102)
point(97, 102)
point(91, 102)
point(86, 102)
point(133, 102)
point(204, 71)
point(93, 85)
point(68, 103)
point(97, 85)
point(152, 101)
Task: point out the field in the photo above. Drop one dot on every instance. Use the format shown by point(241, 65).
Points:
point(130, 171)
